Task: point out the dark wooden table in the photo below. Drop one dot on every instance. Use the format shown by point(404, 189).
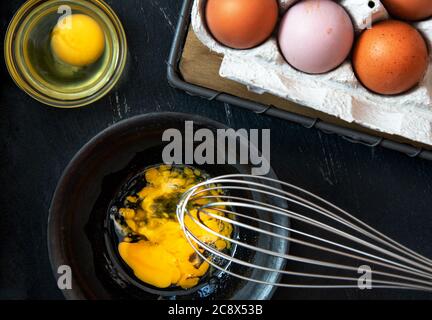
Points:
point(386, 189)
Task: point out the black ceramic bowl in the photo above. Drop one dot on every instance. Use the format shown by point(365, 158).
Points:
point(79, 236)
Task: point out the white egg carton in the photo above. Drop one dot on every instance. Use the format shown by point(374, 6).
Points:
point(338, 93)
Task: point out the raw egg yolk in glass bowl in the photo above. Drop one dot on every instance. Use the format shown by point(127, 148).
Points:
point(153, 244)
point(78, 40)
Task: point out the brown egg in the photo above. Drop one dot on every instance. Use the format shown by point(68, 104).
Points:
point(390, 58)
point(241, 24)
point(411, 10)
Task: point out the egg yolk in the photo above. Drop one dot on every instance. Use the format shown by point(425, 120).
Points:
point(78, 40)
point(163, 256)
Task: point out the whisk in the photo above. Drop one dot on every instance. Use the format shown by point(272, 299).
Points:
point(274, 217)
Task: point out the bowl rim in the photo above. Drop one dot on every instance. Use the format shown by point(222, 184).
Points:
point(55, 244)
point(44, 98)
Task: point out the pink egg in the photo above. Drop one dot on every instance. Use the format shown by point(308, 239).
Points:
point(316, 36)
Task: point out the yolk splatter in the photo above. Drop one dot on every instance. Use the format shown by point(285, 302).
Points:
point(78, 40)
point(163, 256)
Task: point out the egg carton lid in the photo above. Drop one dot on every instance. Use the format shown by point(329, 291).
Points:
point(264, 70)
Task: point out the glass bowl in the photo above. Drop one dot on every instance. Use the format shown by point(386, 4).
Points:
point(34, 68)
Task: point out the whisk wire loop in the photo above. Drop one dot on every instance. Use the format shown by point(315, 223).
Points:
point(337, 237)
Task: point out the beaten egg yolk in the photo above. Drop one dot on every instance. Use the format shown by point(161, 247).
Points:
point(78, 40)
point(164, 257)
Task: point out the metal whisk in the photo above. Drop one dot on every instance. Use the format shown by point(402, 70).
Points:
point(338, 250)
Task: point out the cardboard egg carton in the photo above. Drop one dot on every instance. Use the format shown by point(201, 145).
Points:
point(264, 70)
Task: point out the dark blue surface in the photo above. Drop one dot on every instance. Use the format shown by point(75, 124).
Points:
point(386, 189)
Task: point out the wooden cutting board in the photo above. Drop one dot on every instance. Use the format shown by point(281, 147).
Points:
point(200, 66)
